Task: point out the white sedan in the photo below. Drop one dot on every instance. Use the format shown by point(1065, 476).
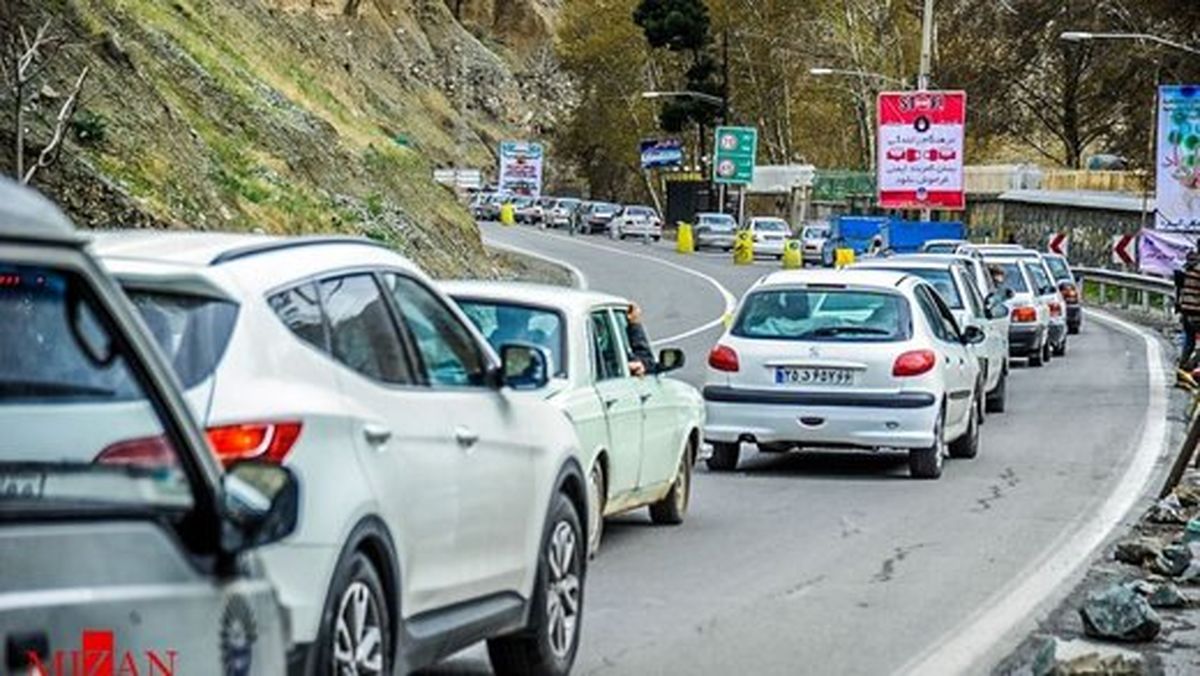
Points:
point(636, 221)
point(640, 435)
point(844, 359)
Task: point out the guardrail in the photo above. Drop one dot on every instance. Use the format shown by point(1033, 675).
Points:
point(1113, 287)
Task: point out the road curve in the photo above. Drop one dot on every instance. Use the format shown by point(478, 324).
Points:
point(838, 563)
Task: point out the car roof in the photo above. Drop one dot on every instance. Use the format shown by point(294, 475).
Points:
point(845, 277)
point(905, 262)
point(713, 213)
point(958, 258)
point(542, 295)
point(28, 216)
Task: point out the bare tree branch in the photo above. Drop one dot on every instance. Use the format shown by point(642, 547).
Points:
point(46, 157)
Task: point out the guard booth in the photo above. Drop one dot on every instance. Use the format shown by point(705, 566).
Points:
point(687, 195)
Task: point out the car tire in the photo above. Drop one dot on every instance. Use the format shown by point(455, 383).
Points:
point(997, 401)
point(547, 646)
point(1061, 350)
point(1073, 329)
point(1035, 356)
point(967, 446)
point(597, 496)
point(1047, 352)
point(926, 463)
point(657, 238)
point(724, 457)
point(355, 582)
point(671, 509)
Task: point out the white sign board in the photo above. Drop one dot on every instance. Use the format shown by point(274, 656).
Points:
point(521, 168)
point(921, 150)
point(1177, 158)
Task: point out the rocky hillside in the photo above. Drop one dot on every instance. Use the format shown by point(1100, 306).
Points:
point(290, 116)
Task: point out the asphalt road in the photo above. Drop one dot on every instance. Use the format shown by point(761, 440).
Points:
point(838, 563)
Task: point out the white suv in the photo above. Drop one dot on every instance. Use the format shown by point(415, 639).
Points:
point(438, 506)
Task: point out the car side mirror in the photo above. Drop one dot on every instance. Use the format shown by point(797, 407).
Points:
point(973, 335)
point(260, 503)
point(670, 359)
point(524, 366)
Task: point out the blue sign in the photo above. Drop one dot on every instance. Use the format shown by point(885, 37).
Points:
point(662, 153)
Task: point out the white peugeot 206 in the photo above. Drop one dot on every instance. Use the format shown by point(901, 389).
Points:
point(438, 506)
point(844, 359)
point(640, 434)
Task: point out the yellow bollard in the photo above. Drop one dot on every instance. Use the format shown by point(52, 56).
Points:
point(743, 248)
point(684, 243)
point(508, 214)
point(844, 257)
point(792, 258)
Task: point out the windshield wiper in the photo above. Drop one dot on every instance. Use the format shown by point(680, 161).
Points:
point(826, 331)
point(45, 388)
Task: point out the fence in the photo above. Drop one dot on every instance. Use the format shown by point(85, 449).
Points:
point(1111, 287)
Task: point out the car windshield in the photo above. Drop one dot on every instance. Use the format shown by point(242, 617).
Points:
point(816, 233)
point(718, 222)
point(1013, 279)
point(1058, 267)
point(940, 278)
point(770, 225)
point(503, 323)
point(823, 315)
point(192, 332)
point(79, 427)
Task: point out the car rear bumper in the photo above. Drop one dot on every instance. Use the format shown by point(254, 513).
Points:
point(1024, 338)
point(902, 420)
point(714, 242)
point(770, 247)
point(1074, 316)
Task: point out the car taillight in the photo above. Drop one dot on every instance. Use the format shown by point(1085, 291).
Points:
point(1024, 314)
point(723, 358)
point(146, 452)
point(267, 441)
point(1055, 309)
point(1070, 293)
point(914, 363)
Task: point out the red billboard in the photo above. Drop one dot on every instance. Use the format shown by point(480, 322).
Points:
point(920, 164)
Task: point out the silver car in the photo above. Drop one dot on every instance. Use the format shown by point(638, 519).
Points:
point(121, 539)
point(714, 231)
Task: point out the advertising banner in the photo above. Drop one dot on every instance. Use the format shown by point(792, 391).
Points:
point(1162, 253)
point(521, 168)
point(1177, 170)
point(920, 164)
point(666, 152)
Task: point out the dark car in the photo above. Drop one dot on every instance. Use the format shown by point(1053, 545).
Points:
point(1065, 279)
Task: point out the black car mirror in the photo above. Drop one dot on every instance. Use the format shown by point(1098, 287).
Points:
point(524, 366)
point(670, 359)
point(973, 335)
point(260, 504)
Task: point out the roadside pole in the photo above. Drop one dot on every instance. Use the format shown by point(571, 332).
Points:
point(742, 206)
point(926, 65)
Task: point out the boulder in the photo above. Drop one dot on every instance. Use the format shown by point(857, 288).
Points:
point(1173, 561)
point(1119, 613)
point(1167, 595)
point(1087, 658)
point(1167, 510)
point(1137, 551)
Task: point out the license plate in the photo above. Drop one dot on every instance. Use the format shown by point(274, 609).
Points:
point(21, 485)
point(813, 376)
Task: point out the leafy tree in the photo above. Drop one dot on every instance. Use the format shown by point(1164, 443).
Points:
point(682, 26)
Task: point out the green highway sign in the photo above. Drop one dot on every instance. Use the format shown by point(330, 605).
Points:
point(733, 154)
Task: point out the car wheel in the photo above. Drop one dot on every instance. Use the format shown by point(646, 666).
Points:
point(926, 463)
point(967, 446)
point(1073, 329)
point(724, 457)
point(657, 238)
point(997, 401)
point(596, 498)
point(1061, 350)
point(356, 630)
point(671, 509)
point(1035, 356)
point(547, 646)
point(1047, 351)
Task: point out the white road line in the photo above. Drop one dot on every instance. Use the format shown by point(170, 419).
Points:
point(581, 281)
point(729, 298)
point(960, 650)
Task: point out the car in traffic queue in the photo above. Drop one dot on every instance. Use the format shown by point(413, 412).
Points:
point(1029, 319)
point(596, 217)
point(1049, 296)
point(640, 435)
point(150, 566)
point(439, 507)
point(770, 235)
point(563, 212)
point(636, 221)
point(844, 359)
point(1069, 288)
point(714, 231)
point(956, 285)
point(815, 247)
point(523, 206)
point(944, 246)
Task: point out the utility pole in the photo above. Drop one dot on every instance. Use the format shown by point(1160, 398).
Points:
point(925, 67)
point(724, 104)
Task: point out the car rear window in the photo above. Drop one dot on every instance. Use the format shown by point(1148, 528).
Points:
point(770, 226)
point(719, 223)
point(942, 247)
point(941, 280)
point(1058, 267)
point(819, 314)
point(1038, 275)
point(192, 332)
point(1013, 279)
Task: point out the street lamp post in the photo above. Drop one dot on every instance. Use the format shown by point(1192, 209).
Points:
point(820, 71)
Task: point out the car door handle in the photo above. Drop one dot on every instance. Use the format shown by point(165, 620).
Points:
point(645, 397)
point(609, 403)
point(465, 436)
point(376, 434)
